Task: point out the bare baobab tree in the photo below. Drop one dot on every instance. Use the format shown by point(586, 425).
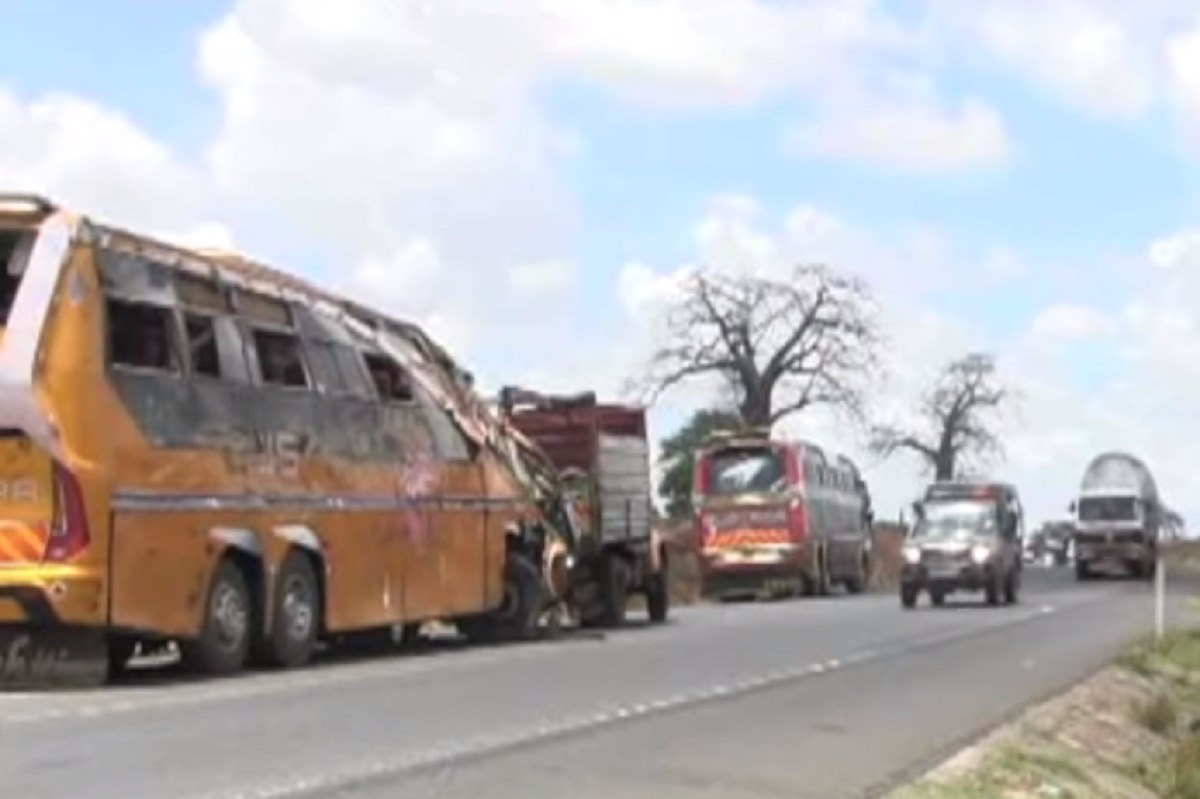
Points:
point(778, 345)
point(955, 418)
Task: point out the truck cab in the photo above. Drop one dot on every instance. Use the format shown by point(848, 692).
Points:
point(1117, 517)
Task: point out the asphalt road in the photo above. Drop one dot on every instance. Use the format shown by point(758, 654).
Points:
point(827, 698)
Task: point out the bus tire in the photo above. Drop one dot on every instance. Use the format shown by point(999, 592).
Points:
point(226, 630)
point(296, 613)
point(818, 583)
point(657, 596)
point(857, 583)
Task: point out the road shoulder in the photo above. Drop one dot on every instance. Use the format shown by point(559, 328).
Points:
point(1131, 731)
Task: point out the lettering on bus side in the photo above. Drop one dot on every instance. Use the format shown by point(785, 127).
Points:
point(283, 450)
point(20, 490)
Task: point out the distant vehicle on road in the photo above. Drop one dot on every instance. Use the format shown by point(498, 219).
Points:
point(779, 517)
point(967, 537)
point(1050, 544)
point(1118, 516)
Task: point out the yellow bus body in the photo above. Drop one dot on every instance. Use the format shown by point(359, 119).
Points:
point(124, 487)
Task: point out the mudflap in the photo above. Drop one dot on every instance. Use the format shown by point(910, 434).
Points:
point(41, 658)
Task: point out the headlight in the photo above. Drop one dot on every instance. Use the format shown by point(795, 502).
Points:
point(912, 555)
point(980, 553)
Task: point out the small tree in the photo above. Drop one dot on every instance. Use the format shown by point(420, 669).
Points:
point(778, 345)
point(678, 456)
point(955, 419)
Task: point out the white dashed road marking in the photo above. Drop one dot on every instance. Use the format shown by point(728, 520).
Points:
point(442, 756)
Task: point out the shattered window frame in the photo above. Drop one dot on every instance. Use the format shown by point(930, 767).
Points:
point(139, 283)
point(391, 363)
point(260, 313)
point(339, 356)
point(177, 363)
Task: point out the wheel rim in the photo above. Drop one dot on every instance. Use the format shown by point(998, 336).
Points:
point(230, 616)
point(297, 608)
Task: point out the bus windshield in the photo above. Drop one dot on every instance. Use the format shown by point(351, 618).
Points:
point(745, 470)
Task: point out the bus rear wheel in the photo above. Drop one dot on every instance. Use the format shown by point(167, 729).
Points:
point(225, 631)
point(295, 612)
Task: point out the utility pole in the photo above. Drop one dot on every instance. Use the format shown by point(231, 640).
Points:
point(1160, 594)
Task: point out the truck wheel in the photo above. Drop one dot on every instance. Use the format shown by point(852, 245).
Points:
point(908, 596)
point(1012, 587)
point(614, 590)
point(657, 596)
point(994, 589)
point(295, 614)
point(937, 596)
point(1083, 570)
point(225, 632)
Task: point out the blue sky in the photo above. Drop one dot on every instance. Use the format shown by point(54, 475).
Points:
point(246, 97)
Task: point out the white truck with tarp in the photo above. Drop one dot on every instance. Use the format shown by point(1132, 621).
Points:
point(1118, 517)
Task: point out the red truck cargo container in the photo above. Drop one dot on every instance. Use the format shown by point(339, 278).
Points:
point(603, 456)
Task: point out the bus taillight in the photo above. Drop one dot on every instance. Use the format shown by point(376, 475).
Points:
point(69, 533)
point(797, 521)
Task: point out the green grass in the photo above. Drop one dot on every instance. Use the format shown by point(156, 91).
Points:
point(1159, 715)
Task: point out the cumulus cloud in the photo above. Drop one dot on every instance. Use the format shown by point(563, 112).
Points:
point(1062, 415)
point(911, 136)
point(1067, 321)
point(98, 160)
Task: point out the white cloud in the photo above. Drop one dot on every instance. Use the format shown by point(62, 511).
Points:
point(913, 135)
point(542, 280)
point(1183, 56)
point(97, 160)
point(1062, 415)
point(1067, 321)
point(369, 126)
point(1178, 251)
point(1095, 54)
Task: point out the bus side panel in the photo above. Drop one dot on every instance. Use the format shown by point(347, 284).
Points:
point(460, 540)
point(505, 507)
point(344, 504)
point(70, 384)
point(161, 567)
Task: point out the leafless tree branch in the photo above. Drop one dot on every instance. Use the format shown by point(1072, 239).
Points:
point(780, 345)
point(957, 414)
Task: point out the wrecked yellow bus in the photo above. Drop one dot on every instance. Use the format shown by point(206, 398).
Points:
point(198, 449)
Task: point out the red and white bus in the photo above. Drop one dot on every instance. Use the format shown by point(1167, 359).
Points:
point(776, 517)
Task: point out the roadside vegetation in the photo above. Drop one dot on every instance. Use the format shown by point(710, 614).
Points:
point(1130, 732)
